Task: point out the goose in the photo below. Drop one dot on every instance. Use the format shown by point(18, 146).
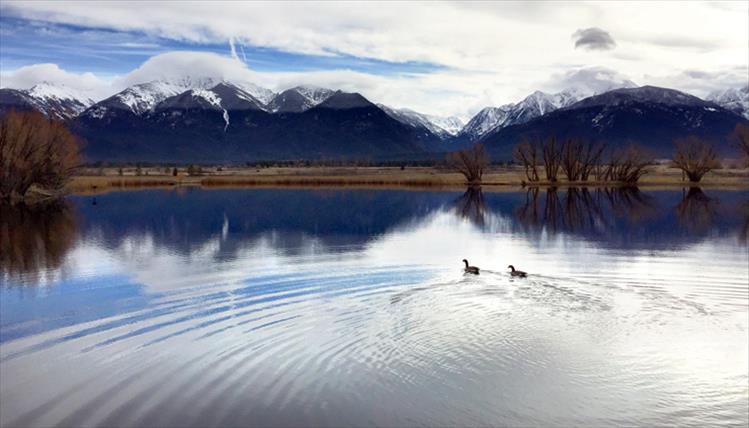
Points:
point(518, 273)
point(470, 269)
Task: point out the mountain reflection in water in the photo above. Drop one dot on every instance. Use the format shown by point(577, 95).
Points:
point(35, 240)
point(344, 307)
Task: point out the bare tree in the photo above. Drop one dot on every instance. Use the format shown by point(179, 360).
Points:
point(695, 157)
point(627, 165)
point(578, 158)
point(552, 159)
point(34, 151)
point(740, 138)
point(527, 154)
point(470, 162)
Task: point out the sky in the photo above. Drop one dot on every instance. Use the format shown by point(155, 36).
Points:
point(444, 58)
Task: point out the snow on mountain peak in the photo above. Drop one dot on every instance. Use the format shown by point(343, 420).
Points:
point(441, 126)
point(144, 97)
point(315, 94)
point(46, 90)
point(486, 120)
point(733, 99)
point(534, 105)
point(262, 94)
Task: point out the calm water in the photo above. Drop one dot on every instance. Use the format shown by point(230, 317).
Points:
point(349, 307)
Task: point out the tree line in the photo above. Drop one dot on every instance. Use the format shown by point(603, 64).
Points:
point(38, 156)
point(581, 161)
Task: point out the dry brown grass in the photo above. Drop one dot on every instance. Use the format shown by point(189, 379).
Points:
point(422, 177)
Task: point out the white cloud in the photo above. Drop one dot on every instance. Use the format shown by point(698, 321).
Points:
point(490, 53)
point(588, 80)
point(186, 64)
point(28, 76)
point(445, 92)
point(703, 82)
point(475, 36)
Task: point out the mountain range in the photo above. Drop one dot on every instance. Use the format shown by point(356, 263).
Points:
point(649, 116)
point(207, 120)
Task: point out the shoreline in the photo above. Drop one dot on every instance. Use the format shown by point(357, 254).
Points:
point(495, 179)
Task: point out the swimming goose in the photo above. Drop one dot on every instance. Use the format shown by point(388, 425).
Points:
point(518, 273)
point(470, 269)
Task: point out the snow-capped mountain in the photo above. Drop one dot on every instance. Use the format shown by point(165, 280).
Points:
point(221, 124)
point(224, 97)
point(643, 94)
point(650, 116)
point(451, 124)
point(443, 127)
point(484, 121)
point(299, 99)
point(55, 101)
point(733, 99)
point(143, 97)
point(261, 94)
point(534, 105)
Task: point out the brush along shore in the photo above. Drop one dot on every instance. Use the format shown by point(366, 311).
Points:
point(98, 180)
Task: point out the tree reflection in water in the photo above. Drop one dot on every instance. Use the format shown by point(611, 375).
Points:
point(696, 211)
point(744, 230)
point(581, 208)
point(34, 240)
point(471, 206)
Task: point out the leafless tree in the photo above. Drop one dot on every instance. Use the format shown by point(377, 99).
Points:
point(470, 162)
point(552, 159)
point(579, 158)
point(740, 138)
point(695, 157)
point(626, 165)
point(527, 154)
point(34, 151)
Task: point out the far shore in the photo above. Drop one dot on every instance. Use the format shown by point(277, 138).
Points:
point(102, 180)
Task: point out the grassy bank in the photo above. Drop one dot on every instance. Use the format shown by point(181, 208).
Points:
point(106, 179)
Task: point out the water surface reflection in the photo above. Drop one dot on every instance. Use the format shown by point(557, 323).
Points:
point(349, 307)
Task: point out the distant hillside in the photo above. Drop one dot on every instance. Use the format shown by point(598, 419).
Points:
point(206, 120)
point(195, 126)
point(650, 116)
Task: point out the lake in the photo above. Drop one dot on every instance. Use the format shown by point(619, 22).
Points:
point(285, 307)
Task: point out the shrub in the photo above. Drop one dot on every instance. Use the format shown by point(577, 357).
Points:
point(626, 165)
point(527, 154)
point(740, 139)
point(552, 159)
point(35, 151)
point(470, 162)
point(578, 158)
point(695, 157)
point(194, 170)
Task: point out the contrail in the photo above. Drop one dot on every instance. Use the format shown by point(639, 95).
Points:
point(233, 49)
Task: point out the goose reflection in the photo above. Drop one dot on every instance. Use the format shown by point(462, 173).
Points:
point(34, 240)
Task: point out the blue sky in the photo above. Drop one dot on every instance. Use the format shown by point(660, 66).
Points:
point(446, 58)
point(111, 52)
